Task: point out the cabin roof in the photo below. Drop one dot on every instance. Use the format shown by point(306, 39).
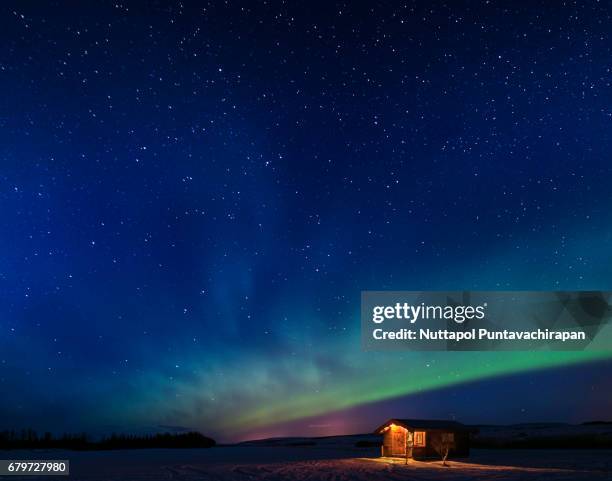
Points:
point(412, 424)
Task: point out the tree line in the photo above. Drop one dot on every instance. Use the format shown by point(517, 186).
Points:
point(30, 439)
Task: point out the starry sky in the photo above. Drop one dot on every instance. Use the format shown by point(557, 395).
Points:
point(193, 196)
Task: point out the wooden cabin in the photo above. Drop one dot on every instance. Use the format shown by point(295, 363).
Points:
point(422, 439)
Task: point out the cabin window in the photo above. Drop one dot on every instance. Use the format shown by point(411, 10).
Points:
point(419, 439)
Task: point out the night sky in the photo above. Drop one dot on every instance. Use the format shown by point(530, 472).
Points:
point(193, 196)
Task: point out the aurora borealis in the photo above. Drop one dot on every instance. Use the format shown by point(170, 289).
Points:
point(194, 195)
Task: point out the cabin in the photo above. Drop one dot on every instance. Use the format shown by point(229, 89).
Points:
point(422, 439)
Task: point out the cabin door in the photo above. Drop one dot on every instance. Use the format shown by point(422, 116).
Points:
point(398, 442)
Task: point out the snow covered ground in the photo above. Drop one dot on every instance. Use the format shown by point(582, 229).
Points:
point(310, 463)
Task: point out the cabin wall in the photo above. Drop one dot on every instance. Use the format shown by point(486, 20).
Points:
point(394, 441)
point(461, 445)
point(419, 453)
point(386, 446)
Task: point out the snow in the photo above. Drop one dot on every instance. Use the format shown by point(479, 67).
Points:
point(327, 463)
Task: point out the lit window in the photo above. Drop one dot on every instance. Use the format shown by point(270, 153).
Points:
point(419, 439)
